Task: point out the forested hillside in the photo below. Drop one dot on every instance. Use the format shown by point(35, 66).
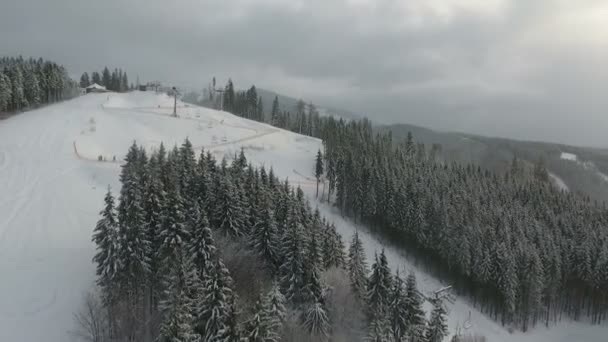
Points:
point(195, 251)
point(28, 83)
point(522, 250)
point(117, 80)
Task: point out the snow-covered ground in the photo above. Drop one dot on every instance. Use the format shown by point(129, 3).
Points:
point(587, 165)
point(559, 183)
point(568, 156)
point(53, 185)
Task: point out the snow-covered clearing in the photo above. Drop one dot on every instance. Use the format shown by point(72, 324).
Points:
point(568, 156)
point(53, 186)
point(559, 182)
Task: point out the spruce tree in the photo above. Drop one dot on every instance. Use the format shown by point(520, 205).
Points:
point(174, 235)
point(313, 289)
point(179, 301)
point(416, 320)
point(106, 78)
point(274, 113)
point(105, 237)
point(292, 256)
point(228, 214)
point(318, 169)
point(95, 78)
point(379, 288)
point(316, 321)
point(214, 305)
point(265, 238)
point(333, 248)
point(134, 243)
point(202, 246)
point(5, 92)
point(357, 267)
point(437, 328)
point(84, 80)
point(398, 310)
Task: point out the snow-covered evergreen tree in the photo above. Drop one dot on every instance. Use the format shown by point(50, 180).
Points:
point(179, 302)
point(437, 328)
point(105, 237)
point(379, 288)
point(174, 235)
point(357, 267)
point(313, 288)
point(214, 304)
point(135, 247)
point(5, 91)
point(292, 254)
point(265, 238)
point(397, 310)
point(416, 320)
point(333, 248)
point(317, 321)
point(228, 215)
point(84, 80)
point(202, 246)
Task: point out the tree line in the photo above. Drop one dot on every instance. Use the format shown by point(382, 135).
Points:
point(29, 83)
point(163, 274)
point(117, 80)
point(522, 250)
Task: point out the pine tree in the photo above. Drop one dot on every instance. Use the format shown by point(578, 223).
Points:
point(187, 171)
point(316, 321)
point(174, 235)
point(274, 304)
point(313, 289)
point(106, 78)
point(5, 92)
point(179, 302)
point(124, 82)
point(265, 238)
point(379, 288)
point(416, 320)
point(333, 248)
point(31, 87)
point(18, 100)
point(134, 244)
point(84, 80)
point(292, 256)
point(105, 237)
point(319, 169)
point(214, 305)
point(274, 113)
point(260, 110)
point(357, 267)
point(201, 247)
point(398, 310)
point(228, 214)
point(95, 78)
point(437, 328)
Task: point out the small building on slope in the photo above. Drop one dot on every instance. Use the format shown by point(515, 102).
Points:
point(96, 88)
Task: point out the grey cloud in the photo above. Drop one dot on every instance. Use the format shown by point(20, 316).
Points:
point(453, 68)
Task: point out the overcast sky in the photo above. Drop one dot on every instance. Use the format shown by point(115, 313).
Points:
point(530, 69)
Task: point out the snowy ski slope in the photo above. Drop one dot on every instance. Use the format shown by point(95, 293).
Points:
point(52, 187)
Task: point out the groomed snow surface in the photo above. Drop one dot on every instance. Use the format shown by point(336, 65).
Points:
point(568, 156)
point(53, 185)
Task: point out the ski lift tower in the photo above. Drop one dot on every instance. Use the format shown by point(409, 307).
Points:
point(221, 91)
point(174, 101)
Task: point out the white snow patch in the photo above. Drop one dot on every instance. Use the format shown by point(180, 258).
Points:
point(559, 182)
point(53, 187)
point(568, 156)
